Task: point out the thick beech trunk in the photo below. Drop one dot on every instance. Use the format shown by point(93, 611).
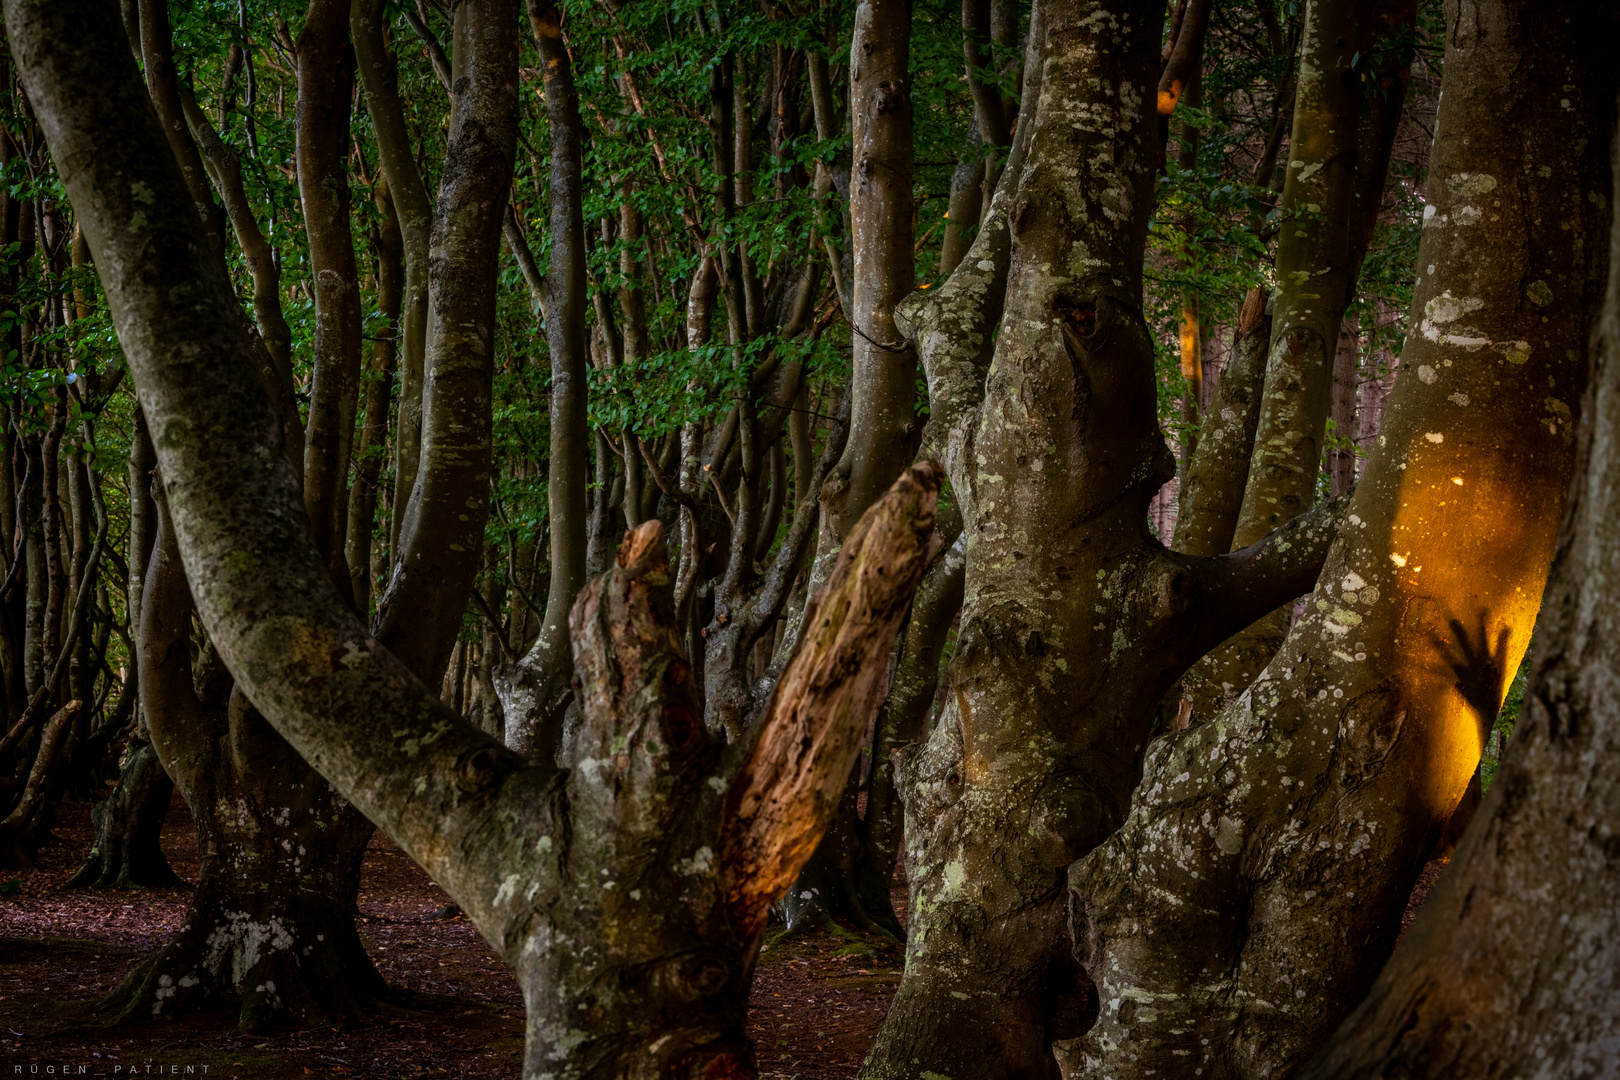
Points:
point(1512, 968)
point(270, 929)
point(1258, 884)
point(1075, 620)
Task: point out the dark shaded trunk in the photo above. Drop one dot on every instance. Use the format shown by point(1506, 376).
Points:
point(325, 87)
point(373, 449)
point(127, 854)
point(378, 70)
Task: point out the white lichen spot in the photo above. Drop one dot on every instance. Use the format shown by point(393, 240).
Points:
point(701, 862)
point(1398, 560)
point(508, 889)
point(1434, 437)
point(1426, 374)
point(1459, 398)
point(1465, 185)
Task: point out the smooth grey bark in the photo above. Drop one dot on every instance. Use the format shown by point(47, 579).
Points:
point(1518, 938)
point(378, 70)
point(535, 690)
point(1246, 904)
point(441, 539)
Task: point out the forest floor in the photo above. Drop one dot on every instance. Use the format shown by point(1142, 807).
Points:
point(819, 997)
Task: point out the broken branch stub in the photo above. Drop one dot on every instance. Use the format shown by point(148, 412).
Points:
point(788, 787)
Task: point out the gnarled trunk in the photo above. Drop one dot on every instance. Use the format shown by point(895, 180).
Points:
point(1247, 903)
point(1075, 619)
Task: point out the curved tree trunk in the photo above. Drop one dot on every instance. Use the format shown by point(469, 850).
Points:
point(1519, 937)
point(1246, 905)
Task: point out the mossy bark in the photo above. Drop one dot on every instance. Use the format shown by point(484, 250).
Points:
point(1075, 620)
point(1258, 884)
point(1518, 938)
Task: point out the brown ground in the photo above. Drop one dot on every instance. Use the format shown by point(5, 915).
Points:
point(818, 997)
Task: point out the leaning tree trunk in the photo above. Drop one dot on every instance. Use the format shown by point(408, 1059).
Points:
point(1247, 903)
point(1075, 620)
point(1512, 968)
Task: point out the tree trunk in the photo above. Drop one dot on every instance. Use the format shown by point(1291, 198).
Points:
point(1518, 938)
point(1247, 903)
point(441, 541)
point(127, 853)
point(535, 691)
point(270, 929)
point(389, 247)
point(325, 82)
point(1330, 202)
point(379, 75)
point(1212, 489)
point(1075, 620)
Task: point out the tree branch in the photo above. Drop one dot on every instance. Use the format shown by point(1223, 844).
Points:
point(788, 785)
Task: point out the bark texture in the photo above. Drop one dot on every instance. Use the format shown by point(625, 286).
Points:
point(1075, 620)
point(1518, 939)
point(599, 883)
point(1246, 904)
point(441, 541)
